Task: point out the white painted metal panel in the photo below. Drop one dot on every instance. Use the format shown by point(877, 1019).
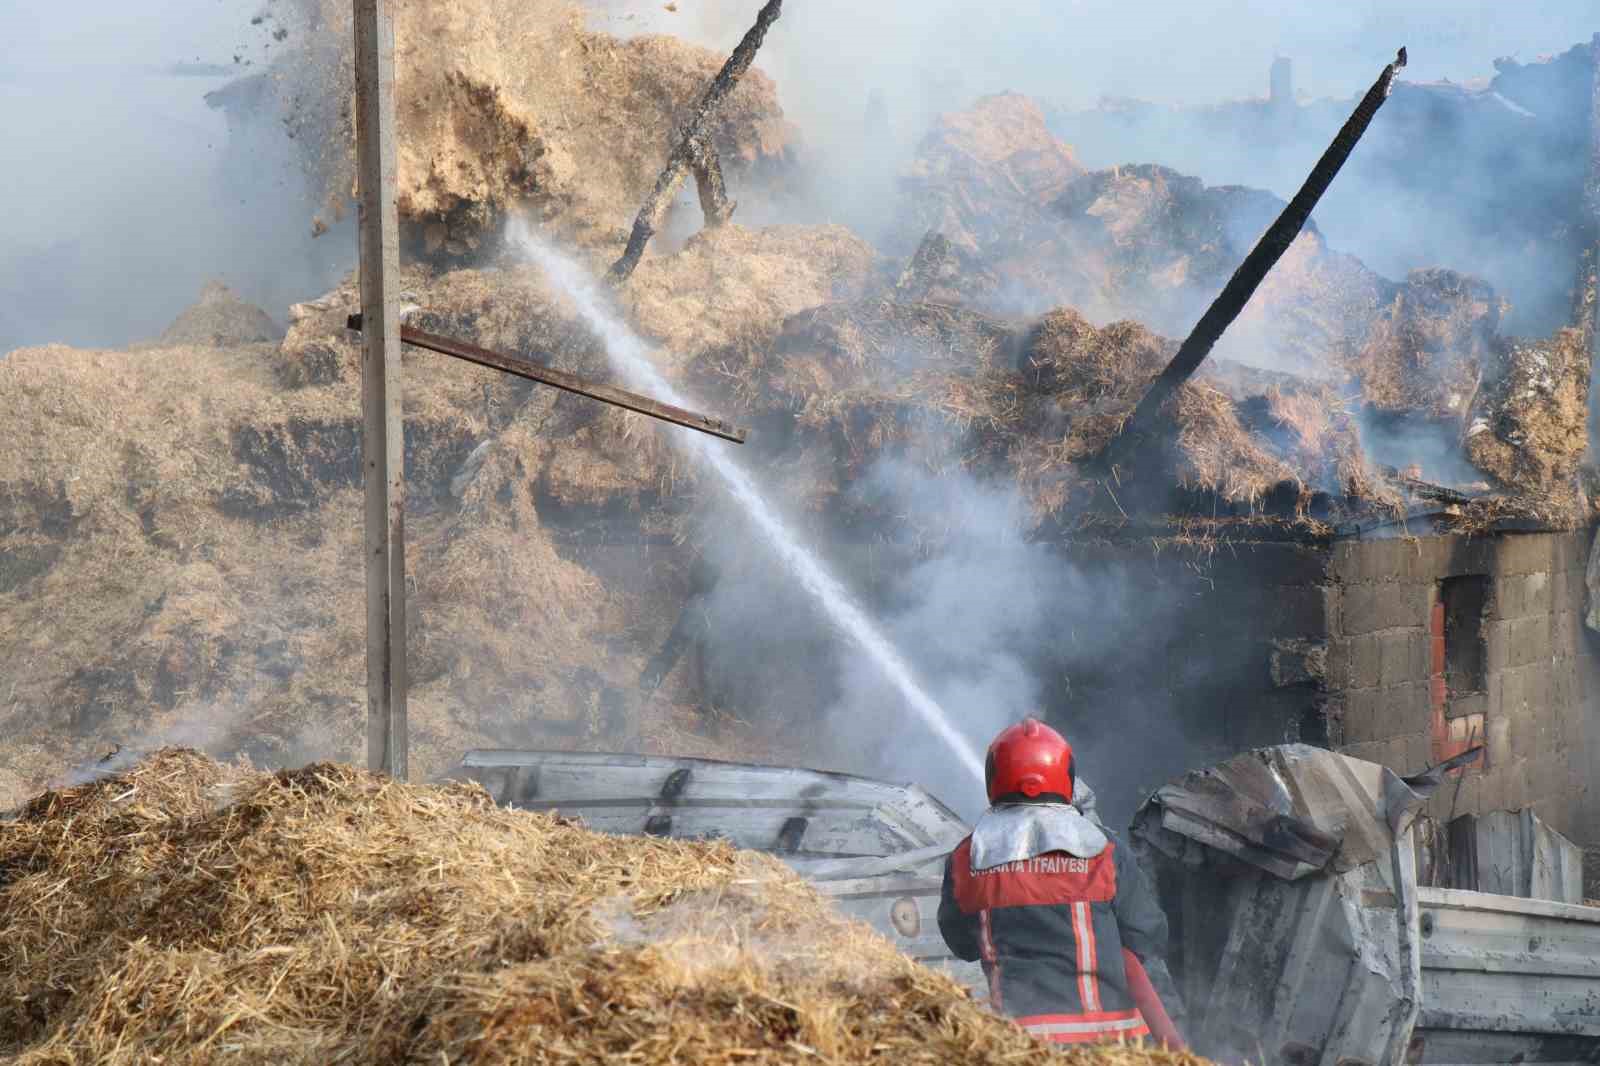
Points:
point(876, 849)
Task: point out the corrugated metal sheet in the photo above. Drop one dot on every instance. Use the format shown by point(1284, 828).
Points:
point(1509, 966)
point(803, 814)
point(1513, 853)
point(877, 849)
point(1311, 967)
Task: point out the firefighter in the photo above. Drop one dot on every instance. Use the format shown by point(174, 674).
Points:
point(1071, 938)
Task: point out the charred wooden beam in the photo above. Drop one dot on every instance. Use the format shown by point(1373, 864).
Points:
point(713, 190)
point(693, 148)
point(560, 379)
point(1236, 294)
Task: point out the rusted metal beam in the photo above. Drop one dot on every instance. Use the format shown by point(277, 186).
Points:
point(383, 453)
point(1236, 294)
point(523, 367)
point(694, 148)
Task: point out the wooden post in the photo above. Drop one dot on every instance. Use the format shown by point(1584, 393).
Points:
point(383, 454)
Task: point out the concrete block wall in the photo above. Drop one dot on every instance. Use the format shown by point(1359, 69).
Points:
point(1384, 654)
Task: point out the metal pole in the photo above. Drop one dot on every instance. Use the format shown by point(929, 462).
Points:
point(383, 455)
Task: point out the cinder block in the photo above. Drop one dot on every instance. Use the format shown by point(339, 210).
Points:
point(1424, 559)
point(1525, 553)
point(1536, 690)
point(1396, 753)
point(1389, 559)
point(1339, 672)
point(1561, 585)
point(1491, 789)
point(1513, 788)
point(1305, 611)
point(1561, 686)
point(1530, 641)
point(1524, 737)
point(1563, 551)
point(1285, 564)
point(1534, 632)
point(1562, 644)
point(1538, 594)
point(1460, 556)
point(1499, 728)
point(1497, 645)
point(1395, 657)
point(1522, 787)
point(1513, 703)
point(1505, 598)
point(1411, 706)
point(1344, 562)
point(1420, 667)
point(1410, 606)
point(1333, 709)
point(1547, 753)
point(1361, 716)
point(1366, 662)
point(1360, 610)
point(1419, 753)
point(1367, 751)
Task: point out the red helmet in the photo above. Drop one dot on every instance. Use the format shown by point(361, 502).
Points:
point(1029, 760)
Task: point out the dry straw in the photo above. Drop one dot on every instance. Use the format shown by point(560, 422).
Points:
point(191, 912)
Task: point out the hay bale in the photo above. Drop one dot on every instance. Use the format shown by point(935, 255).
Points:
point(219, 320)
point(186, 910)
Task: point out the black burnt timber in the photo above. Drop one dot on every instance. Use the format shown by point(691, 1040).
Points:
point(560, 379)
point(1135, 433)
point(711, 187)
point(694, 151)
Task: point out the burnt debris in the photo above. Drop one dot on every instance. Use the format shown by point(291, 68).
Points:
point(695, 151)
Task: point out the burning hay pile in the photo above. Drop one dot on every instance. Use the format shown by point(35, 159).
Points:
point(185, 911)
point(180, 527)
point(503, 106)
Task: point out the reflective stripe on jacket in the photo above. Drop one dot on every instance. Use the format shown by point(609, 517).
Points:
point(1086, 1028)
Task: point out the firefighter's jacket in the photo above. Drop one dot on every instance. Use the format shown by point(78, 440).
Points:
point(1047, 899)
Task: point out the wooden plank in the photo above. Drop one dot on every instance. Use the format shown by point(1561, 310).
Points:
point(383, 454)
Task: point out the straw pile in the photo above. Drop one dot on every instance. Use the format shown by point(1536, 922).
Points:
point(500, 106)
point(220, 320)
point(1432, 346)
point(726, 294)
point(1531, 427)
point(186, 911)
point(982, 176)
point(182, 550)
